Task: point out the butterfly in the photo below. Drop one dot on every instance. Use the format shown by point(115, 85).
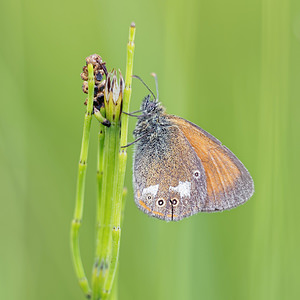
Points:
point(180, 169)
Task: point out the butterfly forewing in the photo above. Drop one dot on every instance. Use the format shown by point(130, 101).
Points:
point(228, 182)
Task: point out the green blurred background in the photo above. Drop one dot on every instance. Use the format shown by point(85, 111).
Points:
point(232, 67)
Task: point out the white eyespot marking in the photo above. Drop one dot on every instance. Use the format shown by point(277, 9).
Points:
point(174, 202)
point(161, 202)
point(152, 189)
point(183, 188)
point(197, 174)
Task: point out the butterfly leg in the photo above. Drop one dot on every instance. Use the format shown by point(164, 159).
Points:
point(132, 113)
point(133, 141)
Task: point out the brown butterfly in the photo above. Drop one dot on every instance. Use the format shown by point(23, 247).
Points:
point(180, 169)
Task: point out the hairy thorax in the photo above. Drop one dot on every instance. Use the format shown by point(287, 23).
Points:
point(153, 121)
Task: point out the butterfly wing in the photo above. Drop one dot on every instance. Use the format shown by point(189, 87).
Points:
point(228, 182)
point(169, 179)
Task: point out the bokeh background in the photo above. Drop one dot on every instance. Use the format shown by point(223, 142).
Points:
point(232, 67)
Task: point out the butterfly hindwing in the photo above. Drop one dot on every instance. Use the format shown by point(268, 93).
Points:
point(167, 168)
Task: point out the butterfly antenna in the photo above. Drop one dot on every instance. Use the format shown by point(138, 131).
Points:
point(141, 80)
point(156, 83)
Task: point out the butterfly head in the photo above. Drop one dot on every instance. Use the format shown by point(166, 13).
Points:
point(150, 106)
point(153, 118)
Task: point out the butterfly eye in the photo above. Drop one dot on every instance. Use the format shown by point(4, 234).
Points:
point(174, 202)
point(160, 202)
point(197, 174)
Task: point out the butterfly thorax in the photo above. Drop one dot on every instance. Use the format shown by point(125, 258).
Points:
point(152, 120)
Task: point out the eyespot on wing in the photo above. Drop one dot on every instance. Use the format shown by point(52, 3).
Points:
point(166, 167)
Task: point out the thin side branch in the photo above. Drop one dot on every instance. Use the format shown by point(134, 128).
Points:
point(76, 223)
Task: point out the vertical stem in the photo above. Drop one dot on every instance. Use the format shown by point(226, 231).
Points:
point(105, 211)
point(128, 81)
point(114, 291)
point(100, 204)
point(120, 170)
point(77, 261)
point(106, 239)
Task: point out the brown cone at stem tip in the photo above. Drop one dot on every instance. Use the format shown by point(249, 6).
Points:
point(99, 72)
point(85, 87)
point(98, 65)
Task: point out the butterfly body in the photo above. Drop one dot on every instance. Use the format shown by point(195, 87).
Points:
point(180, 169)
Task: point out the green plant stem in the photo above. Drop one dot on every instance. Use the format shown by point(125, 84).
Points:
point(114, 291)
point(105, 208)
point(105, 250)
point(128, 81)
point(77, 261)
point(120, 171)
point(100, 204)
